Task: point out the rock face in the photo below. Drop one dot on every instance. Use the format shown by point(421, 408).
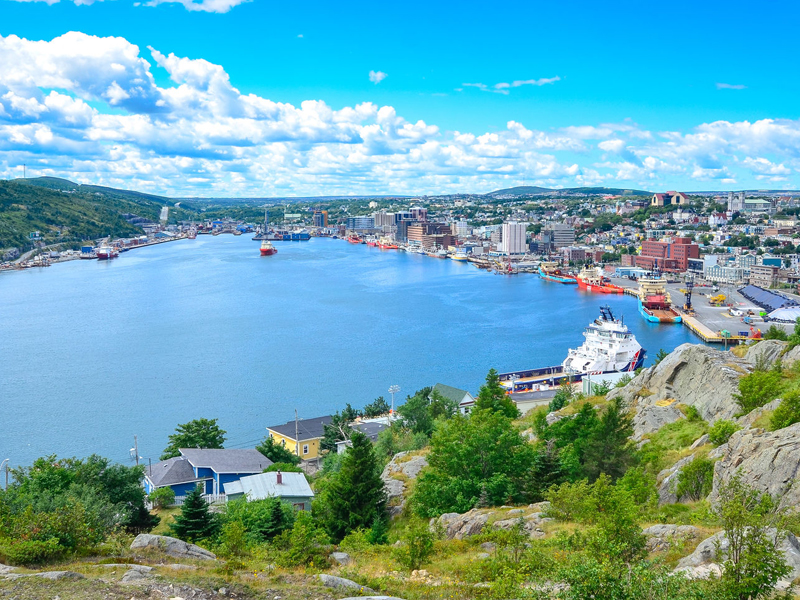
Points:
point(704, 559)
point(693, 375)
point(395, 474)
point(662, 537)
point(342, 584)
point(668, 481)
point(765, 352)
point(458, 526)
point(6, 569)
point(171, 546)
point(768, 462)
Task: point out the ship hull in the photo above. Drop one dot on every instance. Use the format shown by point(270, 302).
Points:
point(557, 278)
point(655, 315)
point(599, 289)
point(268, 252)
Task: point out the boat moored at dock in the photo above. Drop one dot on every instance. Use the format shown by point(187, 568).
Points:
point(591, 279)
point(609, 347)
point(550, 271)
point(655, 304)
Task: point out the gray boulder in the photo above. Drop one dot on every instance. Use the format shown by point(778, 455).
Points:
point(340, 583)
point(459, 526)
point(767, 461)
point(171, 546)
point(661, 537)
point(342, 558)
point(58, 575)
point(693, 375)
point(791, 357)
point(705, 560)
point(531, 524)
point(395, 475)
point(5, 569)
point(765, 352)
point(136, 576)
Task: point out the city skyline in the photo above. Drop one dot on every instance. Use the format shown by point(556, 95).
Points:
point(231, 98)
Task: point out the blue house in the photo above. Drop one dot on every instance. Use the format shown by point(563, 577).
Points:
point(210, 468)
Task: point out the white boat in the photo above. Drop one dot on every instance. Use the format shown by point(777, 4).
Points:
point(609, 347)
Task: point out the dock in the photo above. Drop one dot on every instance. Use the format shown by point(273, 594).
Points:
point(709, 336)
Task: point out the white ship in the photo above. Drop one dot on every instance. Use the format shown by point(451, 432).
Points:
point(609, 348)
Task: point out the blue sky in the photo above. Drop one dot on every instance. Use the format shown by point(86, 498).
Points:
point(621, 94)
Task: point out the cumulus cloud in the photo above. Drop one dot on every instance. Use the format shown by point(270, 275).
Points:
point(729, 86)
point(89, 108)
point(377, 76)
point(212, 6)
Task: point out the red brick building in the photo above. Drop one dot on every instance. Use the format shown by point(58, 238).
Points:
point(669, 256)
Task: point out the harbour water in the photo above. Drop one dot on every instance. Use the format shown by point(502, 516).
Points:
point(93, 353)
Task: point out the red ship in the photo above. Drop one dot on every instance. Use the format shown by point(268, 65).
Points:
point(592, 280)
point(267, 249)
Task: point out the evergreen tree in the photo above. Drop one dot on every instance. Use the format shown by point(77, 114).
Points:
point(355, 497)
point(377, 407)
point(195, 521)
point(492, 396)
point(416, 412)
point(609, 449)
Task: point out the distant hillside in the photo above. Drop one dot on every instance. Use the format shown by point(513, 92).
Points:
point(63, 211)
point(528, 190)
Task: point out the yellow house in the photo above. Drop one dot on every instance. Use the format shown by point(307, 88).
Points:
point(302, 437)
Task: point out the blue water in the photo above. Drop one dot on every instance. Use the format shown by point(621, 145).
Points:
point(93, 353)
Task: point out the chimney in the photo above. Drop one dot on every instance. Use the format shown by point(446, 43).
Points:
point(280, 478)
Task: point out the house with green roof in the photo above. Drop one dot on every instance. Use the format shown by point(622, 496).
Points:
point(462, 398)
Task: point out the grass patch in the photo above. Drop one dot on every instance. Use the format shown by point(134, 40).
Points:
point(575, 407)
point(167, 516)
point(671, 443)
point(740, 350)
point(763, 422)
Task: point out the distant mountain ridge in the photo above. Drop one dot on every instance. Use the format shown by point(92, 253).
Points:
point(532, 190)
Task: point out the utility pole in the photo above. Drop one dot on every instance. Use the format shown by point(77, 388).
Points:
point(393, 390)
point(135, 450)
point(296, 434)
point(4, 466)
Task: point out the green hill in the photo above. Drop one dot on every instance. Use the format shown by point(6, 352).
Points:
point(63, 211)
point(530, 190)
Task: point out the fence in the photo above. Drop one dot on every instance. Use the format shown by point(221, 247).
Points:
point(179, 500)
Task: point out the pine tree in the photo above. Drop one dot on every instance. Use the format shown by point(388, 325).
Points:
point(492, 396)
point(355, 498)
point(609, 449)
point(195, 521)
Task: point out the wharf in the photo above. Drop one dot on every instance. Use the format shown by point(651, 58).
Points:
point(707, 335)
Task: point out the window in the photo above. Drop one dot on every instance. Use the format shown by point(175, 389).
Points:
point(305, 448)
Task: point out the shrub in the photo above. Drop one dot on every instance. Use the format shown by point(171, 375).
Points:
point(787, 413)
point(305, 544)
point(417, 545)
point(721, 431)
point(30, 552)
point(562, 398)
point(261, 519)
point(695, 479)
point(758, 388)
point(162, 497)
point(776, 333)
point(233, 539)
point(283, 467)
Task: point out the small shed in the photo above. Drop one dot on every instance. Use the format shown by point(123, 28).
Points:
point(289, 487)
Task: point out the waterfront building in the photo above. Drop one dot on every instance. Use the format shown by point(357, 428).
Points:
point(209, 468)
point(418, 232)
point(558, 235)
point(724, 274)
point(288, 487)
point(765, 276)
point(669, 199)
point(514, 237)
point(461, 228)
point(670, 255)
point(301, 437)
point(357, 223)
point(383, 219)
point(320, 218)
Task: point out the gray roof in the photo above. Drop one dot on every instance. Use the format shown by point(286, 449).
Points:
point(229, 460)
point(451, 393)
point(170, 472)
point(308, 429)
point(265, 485)
point(371, 429)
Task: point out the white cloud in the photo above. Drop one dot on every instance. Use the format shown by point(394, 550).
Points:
point(728, 86)
point(212, 6)
point(377, 76)
point(51, 2)
point(503, 87)
point(89, 108)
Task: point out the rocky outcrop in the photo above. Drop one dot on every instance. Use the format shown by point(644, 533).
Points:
point(456, 526)
point(395, 475)
point(341, 558)
point(767, 461)
point(661, 537)
point(791, 357)
point(748, 420)
point(766, 352)
point(171, 546)
point(704, 560)
point(340, 583)
point(4, 569)
point(136, 576)
point(694, 375)
point(668, 481)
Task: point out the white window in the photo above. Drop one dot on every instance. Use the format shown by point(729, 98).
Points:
point(305, 448)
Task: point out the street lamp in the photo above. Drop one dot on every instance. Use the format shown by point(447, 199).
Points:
point(393, 390)
point(4, 466)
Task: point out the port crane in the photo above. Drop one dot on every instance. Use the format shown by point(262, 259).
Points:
point(687, 305)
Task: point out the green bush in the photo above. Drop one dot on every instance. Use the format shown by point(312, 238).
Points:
point(284, 468)
point(721, 431)
point(262, 519)
point(757, 389)
point(304, 544)
point(417, 545)
point(162, 497)
point(776, 333)
point(695, 479)
point(787, 413)
point(562, 398)
point(30, 552)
